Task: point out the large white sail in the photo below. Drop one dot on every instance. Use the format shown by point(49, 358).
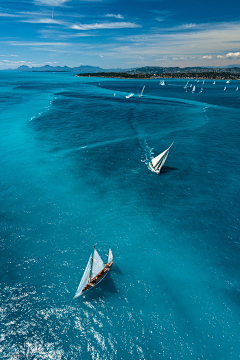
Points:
point(110, 255)
point(84, 279)
point(159, 160)
point(142, 91)
point(97, 265)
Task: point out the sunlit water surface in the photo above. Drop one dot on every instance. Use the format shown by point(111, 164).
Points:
point(73, 173)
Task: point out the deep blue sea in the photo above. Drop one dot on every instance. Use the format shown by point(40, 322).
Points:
point(73, 173)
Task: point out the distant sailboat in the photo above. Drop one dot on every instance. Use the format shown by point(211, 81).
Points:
point(130, 95)
point(214, 83)
point(186, 85)
point(191, 85)
point(162, 82)
point(201, 91)
point(224, 88)
point(157, 163)
point(142, 91)
point(193, 89)
point(237, 89)
point(95, 271)
point(203, 82)
point(228, 82)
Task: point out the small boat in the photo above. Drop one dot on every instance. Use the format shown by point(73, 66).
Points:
point(95, 272)
point(203, 82)
point(237, 89)
point(191, 85)
point(162, 82)
point(214, 83)
point(157, 163)
point(142, 91)
point(201, 91)
point(224, 88)
point(228, 82)
point(130, 95)
point(193, 89)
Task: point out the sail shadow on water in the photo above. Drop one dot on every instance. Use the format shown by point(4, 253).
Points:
point(167, 169)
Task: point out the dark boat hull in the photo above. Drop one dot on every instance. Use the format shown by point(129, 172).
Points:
point(97, 279)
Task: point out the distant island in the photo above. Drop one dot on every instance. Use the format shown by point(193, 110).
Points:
point(147, 72)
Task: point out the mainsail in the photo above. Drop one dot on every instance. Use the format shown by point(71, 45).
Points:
point(97, 265)
point(193, 88)
point(142, 91)
point(159, 160)
point(110, 256)
point(84, 279)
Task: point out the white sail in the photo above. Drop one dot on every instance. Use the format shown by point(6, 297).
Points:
point(130, 95)
point(159, 160)
point(84, 279)
point(142, 91)
point(214, 83)
point(193, 89)
point(110, 255)
point(97, 265)
point(162, 82)
point(237, 89)
point(224, 88)
point(228, 82)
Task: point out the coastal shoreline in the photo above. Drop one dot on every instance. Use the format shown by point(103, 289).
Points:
point(187, 76)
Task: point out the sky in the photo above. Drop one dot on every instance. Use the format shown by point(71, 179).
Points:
point(119, 34)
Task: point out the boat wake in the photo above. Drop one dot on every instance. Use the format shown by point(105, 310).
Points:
point(147, 151)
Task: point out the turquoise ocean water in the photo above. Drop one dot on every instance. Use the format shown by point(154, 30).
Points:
point(73, 173)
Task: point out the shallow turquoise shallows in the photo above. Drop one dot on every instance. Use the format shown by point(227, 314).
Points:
point(74, 173)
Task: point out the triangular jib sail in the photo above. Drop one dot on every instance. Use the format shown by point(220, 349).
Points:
point(84, 279)
point(159, 160)
point(97, 265)
point(110, 256)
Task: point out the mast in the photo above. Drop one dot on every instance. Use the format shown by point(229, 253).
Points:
point(91, 264)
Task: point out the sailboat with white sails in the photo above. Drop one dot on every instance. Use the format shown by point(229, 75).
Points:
point(157, 163)
point(142, 91)
point(161, 82)
point(95, 272)
point(194, 88)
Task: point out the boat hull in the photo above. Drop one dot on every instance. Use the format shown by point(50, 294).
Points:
point(97, 279)
point(152, 168)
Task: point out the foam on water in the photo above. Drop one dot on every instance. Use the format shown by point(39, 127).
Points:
point(75, 176)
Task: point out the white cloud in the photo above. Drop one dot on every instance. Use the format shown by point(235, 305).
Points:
point(44, 21)
point(99, 26)
point(209, 57)
point(220, 57)
point(33, 43)
point(50, 2)
point(188, 26)
point(100, 56)
point(115, 16)
point(233, 55)
point(8, 15)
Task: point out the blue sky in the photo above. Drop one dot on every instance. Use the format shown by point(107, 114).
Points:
point(119, 34)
